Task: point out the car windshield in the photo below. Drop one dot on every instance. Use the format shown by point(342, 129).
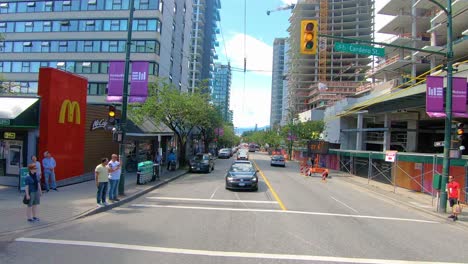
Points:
point(241, 167)
point(200, 157)
point(278, 157)
point(224, 150)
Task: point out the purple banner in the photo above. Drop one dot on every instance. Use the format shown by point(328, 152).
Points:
point(435, 94)
point(116, 78)
point(459, 95)
point(139, 82)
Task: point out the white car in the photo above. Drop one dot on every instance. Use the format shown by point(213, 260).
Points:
point(243, 155)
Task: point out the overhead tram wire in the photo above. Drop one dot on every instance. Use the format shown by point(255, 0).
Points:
point(245, 52)
point(224, 44)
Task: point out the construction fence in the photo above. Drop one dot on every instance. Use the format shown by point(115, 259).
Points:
point(413, 171)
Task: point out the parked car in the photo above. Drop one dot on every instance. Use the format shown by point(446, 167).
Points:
point(224, 153)
point(243, 155)
point(201, 162)
point(242, 175)
point(277, 160)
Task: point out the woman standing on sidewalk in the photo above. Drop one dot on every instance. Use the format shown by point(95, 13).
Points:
point(33, 193)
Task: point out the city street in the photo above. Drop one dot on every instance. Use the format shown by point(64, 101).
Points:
point(291, 219)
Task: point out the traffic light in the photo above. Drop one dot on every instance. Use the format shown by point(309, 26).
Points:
point(111, 115)
point(309, 34)
point(460, 131)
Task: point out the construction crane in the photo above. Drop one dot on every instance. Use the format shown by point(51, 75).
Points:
point(291, 6)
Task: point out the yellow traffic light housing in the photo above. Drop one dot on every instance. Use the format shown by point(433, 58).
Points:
point(309, 34)
point(111, 115)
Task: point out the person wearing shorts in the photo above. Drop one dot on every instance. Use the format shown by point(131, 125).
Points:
point(453, 189)
point(33, 193)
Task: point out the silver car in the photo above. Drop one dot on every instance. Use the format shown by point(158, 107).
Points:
point(278, 160)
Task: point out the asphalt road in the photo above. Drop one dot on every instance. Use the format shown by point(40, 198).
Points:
point(298, 220)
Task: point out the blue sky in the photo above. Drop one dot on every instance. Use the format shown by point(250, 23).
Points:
point(251, 103)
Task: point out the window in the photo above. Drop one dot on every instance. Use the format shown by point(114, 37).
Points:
point(144, 4)
point(27, 44)
point(161, 6)
point(45, 46)
point(66, 3)
point(31, 4)
point(91, 2)
point(140, 46)
point(65, 23)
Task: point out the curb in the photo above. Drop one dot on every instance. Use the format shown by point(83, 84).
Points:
point(6, 235)
point(129, 198)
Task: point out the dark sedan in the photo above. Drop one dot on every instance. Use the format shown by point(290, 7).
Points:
point(201, 162)
point(242, 176)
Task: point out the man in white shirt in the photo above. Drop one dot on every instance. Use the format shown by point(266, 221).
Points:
point(114, 177)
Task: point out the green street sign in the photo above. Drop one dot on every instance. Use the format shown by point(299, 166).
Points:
point(4, 122)
point(359, 49)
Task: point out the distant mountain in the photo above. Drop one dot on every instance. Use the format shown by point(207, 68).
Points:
point(240, 130)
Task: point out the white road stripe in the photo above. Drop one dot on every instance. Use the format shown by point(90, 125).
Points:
point(230, 254)
point(211, 200)
point(211, 197)
point(344, 204)
point(284, 212)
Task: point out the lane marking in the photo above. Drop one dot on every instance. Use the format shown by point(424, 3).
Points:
point(211, 197)
point(344, 204)
point(210, 200)
point(421, 205)
point(226, 254)
point(283, 212)
point(273, 192)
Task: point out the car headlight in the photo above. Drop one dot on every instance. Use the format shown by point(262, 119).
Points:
point(230, 178)
point(254, 179)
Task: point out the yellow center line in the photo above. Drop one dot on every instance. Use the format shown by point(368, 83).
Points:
point(275, 195)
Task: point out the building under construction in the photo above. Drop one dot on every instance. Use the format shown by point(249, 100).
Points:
point(317, 81)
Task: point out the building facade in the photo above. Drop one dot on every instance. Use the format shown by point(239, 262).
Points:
point(277, 81)
point(203, 54)
point(221, 93)
point(316, 81)
point(175, 42)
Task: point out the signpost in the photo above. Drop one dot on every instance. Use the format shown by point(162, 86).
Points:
point(359, 49)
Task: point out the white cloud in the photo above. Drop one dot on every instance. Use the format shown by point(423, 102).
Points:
point(251, 106)
point(288, 2)
point(258, 53)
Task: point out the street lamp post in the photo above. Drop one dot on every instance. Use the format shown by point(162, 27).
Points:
point(448, 107)
point(123, 119)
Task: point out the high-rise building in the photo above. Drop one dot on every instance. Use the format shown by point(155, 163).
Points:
point(220, 95)
point(277, 81)
point(317, 81)
point(82, 36)
point(175, 42)
point(203, 54)
point(285, 115)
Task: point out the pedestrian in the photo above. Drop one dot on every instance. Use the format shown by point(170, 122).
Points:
point(101, 174)
point(33, 193)
point(453, 189)
point(325, 175)
point(114, 177)
point(49, 171)
point(171, 158)
point(38, 167)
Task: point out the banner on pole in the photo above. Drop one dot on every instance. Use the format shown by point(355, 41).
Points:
point(459, 95)
point(139, 82)
point(434, 94)
point(116, 80)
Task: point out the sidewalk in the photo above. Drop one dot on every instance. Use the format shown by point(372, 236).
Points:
point(70, 202)
point(417, 200)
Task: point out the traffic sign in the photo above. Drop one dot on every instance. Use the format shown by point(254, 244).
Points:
point(359, 49)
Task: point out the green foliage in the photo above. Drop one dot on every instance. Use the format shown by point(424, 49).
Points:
point(301, 131)
point(229, 138)
point(180, 111)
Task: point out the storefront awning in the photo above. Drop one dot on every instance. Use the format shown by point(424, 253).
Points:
point(147, 128)
point(19, 112)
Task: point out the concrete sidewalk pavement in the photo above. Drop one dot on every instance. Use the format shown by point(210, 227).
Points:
point(70, 202)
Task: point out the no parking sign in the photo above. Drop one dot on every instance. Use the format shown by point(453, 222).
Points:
point(390, 155)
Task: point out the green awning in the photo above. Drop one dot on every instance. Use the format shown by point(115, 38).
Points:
point(19, 112)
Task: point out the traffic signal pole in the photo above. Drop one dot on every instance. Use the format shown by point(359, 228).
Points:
point(123, 119)
point(448, 108)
